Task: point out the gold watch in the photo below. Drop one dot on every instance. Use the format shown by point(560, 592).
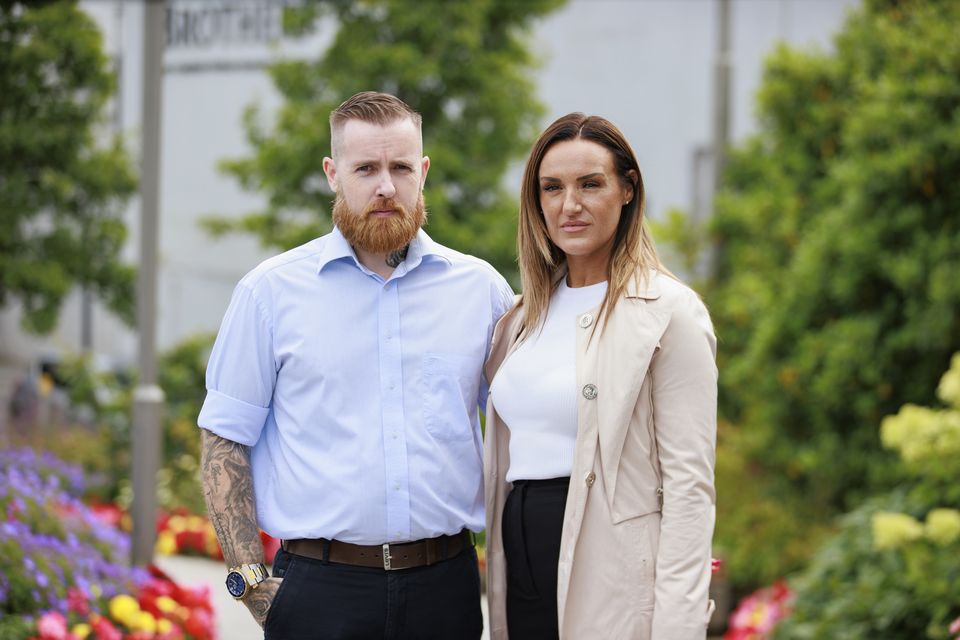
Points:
point(243, 579)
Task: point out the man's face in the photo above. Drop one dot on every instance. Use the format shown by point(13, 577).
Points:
point(378, 173)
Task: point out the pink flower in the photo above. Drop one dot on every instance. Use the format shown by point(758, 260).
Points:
point(757, 614)
point(52, 626)
point(955, 626)
point(77, 601)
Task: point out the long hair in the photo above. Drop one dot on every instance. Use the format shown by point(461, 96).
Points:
point(633, 254)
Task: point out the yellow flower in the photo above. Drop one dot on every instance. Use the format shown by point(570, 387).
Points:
point(166, 543)
point(891, 530)
point(943, 526)
point(177, 524)
point(949, 389)
point(144, 621)
point(124, 608)
point(164, 626)
point(81, 630)
point(167, 604)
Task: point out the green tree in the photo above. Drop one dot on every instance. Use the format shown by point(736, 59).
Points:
point(61, 192)
point(463, 65)
point(837, 247)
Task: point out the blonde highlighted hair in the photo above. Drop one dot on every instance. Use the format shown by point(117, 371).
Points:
point(541, 261)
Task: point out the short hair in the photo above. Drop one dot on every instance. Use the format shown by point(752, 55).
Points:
point(373, 107)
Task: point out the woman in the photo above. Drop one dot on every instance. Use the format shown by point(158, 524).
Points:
point(601, 424)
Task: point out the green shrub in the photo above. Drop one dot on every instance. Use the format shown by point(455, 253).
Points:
point(893, 570)
point(103, 448)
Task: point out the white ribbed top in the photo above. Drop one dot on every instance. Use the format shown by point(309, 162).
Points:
point(535, 389)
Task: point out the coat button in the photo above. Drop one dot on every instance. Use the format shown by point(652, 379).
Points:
point(590, 479)
point(589, 391)
point(586, 320)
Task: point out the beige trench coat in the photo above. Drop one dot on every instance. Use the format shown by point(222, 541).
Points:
point(635, 547)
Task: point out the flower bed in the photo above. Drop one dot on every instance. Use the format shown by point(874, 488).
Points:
point(64, 572)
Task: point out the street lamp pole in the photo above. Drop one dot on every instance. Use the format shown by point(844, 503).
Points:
point(721, 117)
point(148, 397)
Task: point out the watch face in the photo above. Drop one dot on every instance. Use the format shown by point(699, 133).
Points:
point(236, 585)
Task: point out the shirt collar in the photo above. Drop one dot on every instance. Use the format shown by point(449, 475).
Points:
point(421, 247)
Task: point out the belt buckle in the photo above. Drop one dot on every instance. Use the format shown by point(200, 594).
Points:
point(386, 557)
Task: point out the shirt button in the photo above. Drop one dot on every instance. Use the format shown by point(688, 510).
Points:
point(586, 320)
point(590, 479)
point(589, 391)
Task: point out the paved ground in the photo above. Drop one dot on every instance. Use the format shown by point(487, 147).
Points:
point(233, 621)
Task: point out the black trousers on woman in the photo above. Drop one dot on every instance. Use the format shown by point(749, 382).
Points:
point(532, 523)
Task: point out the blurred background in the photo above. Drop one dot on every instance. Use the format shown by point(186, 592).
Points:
point(800, 159)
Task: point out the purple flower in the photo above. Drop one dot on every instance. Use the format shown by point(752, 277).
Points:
point(50, 540)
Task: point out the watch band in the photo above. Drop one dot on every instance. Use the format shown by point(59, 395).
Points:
point(253, 573)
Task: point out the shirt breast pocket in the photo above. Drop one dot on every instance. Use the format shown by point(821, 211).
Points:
point(449, 393)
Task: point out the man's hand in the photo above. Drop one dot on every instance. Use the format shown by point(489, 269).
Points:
point(261, 598)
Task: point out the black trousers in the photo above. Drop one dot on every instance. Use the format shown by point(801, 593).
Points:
point(327, 601)
point(532, 523)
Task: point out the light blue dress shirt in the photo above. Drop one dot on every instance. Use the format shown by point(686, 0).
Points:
point(359, 395)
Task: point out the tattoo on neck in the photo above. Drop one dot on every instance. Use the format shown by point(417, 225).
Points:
point(394, 259)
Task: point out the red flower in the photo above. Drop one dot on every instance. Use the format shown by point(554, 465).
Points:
point(270, 547)
point(200, 624)
point(109, 513)
point(77, 601)
point(757, 615)
point(103, 629)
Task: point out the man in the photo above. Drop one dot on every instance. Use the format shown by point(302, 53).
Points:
point(341, 410)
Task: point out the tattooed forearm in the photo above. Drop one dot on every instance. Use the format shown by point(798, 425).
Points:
point(228, 491)
point(394, 259)
point(259, 601)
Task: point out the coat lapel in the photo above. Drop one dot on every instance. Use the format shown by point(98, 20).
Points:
point(625, 351)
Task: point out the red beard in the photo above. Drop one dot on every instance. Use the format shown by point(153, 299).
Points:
point(379, 235)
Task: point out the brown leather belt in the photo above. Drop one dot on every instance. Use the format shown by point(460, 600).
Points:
point(398, 555)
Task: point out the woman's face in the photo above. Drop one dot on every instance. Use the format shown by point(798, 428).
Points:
point(581, 198)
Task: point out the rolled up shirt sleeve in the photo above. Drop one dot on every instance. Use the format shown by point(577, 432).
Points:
point(241, 372)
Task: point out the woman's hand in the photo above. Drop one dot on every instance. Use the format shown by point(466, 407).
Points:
point(260, 599)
